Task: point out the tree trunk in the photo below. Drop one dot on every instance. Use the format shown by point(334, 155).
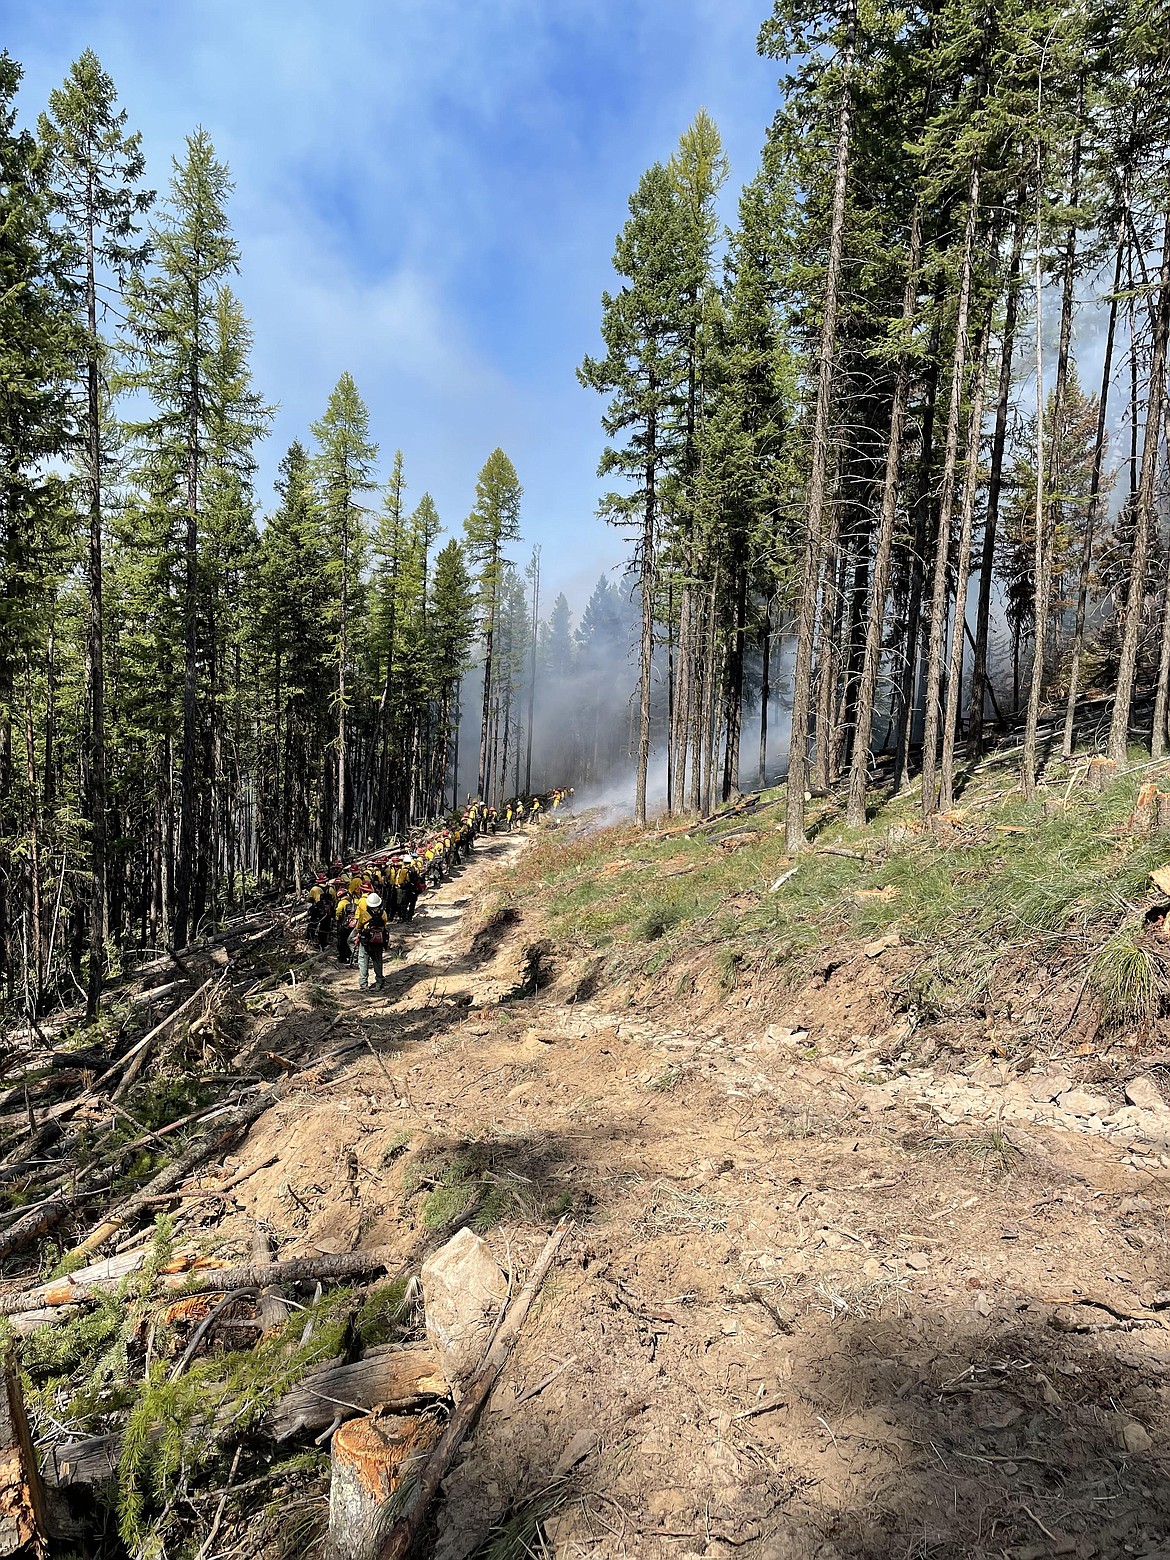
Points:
point(188, 795)
point(855, 814)
point(532, 674)
point(646, 651)
point(1046, 530)
point(489, 634)
point(734, 705)
point(709, 699)
point(828, 654)
point(1143, 517)
point(979, 674)
point(922, 506)
point(938, 604)
point(1162, 689)
point(765, 689)
point(95, 650)
point(1094, 506)
point(962, 580)
point(811, 562)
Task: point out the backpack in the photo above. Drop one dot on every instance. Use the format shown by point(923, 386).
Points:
point(373, 932)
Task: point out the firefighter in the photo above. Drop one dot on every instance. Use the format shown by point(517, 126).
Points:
point(536, 809)
point(369, 935)
point(407, 888)
point(320, 912)
point(343, 917)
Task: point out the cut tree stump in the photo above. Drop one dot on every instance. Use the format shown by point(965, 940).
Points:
point(371, 1459)
point(1101, 774)
point(1141, 820)
point(1162, 812)
point(23, 1523)
point(272, 1310)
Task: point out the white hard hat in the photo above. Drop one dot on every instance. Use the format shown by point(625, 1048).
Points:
point(373, 901)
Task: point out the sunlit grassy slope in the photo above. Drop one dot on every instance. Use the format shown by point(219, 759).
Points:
point(1059, 880)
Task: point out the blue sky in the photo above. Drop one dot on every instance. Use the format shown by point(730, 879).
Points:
point(427, 194)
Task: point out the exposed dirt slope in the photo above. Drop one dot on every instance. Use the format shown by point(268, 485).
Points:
point(816, 1307)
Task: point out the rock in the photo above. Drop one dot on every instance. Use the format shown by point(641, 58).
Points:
point(669, 1502)
point(874, 950)
point(1079, 1102)
point(1049, 1087)
point(1135, 1204)
point(463, 1292)
point(917, 1261)
point(1145, 1094)
point(1152, 1125)
point(1134, 1437)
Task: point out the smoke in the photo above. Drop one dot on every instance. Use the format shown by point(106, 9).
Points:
point(585, 723)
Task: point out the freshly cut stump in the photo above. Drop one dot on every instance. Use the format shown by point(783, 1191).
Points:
point(371, 1458)
point(22, 1499)
point(1101, 773)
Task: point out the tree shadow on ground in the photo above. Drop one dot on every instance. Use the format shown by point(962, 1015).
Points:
point(906, 1438)
point(1019, 1439)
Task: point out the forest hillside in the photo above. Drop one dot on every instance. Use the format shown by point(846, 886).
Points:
point(863, 1153)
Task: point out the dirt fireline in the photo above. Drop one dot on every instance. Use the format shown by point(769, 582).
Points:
point(793, 1294)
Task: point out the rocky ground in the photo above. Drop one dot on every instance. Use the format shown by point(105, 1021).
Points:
point(822, 1301)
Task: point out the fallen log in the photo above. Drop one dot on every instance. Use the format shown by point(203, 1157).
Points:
point(45, 1136)
point(62, 1294)
point(140, 1055)
point(225, 1128)
point(46, 1216)
point(67, 1291)
point(401, 1537)
point(156, 993)
point(389, 1377)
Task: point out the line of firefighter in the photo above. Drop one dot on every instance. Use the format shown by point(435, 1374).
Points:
point(355, 907)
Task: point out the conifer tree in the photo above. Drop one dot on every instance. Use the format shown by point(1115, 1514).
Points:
point(172, 324)
point(294, 647)
point(645, 374)
point(95, 169)
point(343, 471)
point(39, 352)
point(492, 525)
point(452, 618)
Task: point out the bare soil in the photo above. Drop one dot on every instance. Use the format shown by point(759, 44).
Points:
point(817, 1305)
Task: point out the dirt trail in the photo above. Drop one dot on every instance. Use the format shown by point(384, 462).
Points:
point(807, 1314)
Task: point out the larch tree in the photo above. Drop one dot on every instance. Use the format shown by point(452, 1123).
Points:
point(171, 315)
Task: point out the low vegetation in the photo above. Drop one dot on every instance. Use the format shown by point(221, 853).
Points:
point(998, 890)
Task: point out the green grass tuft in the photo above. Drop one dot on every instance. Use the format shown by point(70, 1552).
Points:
point(1128, 977)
